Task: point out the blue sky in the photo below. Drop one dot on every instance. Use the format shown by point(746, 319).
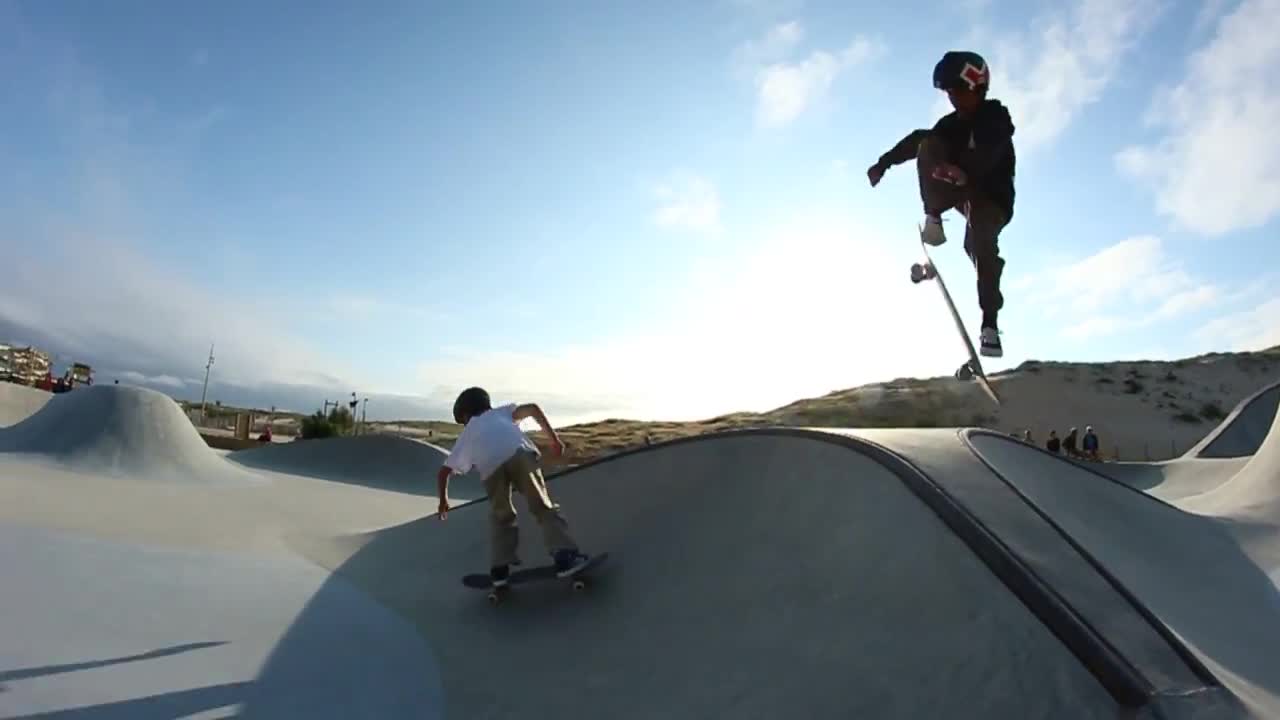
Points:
point(651, 210)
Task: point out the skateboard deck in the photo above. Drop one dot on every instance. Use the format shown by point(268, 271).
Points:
point(973, 368)
point(481, 581)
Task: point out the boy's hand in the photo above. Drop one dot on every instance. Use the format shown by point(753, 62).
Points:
point(443, 508)
point(557, 447)
point(874, 173)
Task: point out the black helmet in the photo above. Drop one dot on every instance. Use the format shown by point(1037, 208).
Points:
point(470, 402)
point(961, 69)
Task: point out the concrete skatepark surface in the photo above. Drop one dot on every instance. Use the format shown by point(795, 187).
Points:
point(763, 573)
point(1213, 461)
point(383, 461)
point(18, 402)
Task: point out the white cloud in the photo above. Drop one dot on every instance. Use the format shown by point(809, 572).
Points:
point(775, 45)
point(806, 308)
point(1217, 166)
point(114, 305)
point(1210, 10)
point(1181, 303)
point(1131, 284)
point(162, 380)
point(1094, 327)
point(786, 88)
point(353, 307)
point(689, 202)
point(1050, 73)
point(1255, 328)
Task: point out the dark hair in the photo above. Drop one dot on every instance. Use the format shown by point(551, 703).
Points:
point(470, 402)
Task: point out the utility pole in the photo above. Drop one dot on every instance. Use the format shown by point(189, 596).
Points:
point(204, 391)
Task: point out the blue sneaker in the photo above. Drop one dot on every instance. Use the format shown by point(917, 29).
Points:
point(569, 562)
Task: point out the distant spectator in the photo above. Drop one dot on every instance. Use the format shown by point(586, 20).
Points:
point(1069, 443)
point(1054, 445)
point(1090, 443)
point(1026, 435)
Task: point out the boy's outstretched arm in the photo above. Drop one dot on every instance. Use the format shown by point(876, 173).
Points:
point(532, 410)
point(442, 480)
point(905, 150)
point(442, 489)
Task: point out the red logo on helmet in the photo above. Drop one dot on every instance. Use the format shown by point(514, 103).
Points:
point(975, 76)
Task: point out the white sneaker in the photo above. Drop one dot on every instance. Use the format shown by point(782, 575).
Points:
point(932, 232)
point(990, 342)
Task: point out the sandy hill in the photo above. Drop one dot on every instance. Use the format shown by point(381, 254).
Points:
point(1141, 409)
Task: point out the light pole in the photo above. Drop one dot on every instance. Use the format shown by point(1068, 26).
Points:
point(204, 391)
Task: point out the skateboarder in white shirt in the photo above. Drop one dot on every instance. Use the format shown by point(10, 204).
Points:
point(492, 443)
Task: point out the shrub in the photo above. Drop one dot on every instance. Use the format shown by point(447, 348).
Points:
point(317, 426)
point(1211, 411)
point(341, 419)
point(1186, 417)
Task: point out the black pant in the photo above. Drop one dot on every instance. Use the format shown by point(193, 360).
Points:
point(984, 219)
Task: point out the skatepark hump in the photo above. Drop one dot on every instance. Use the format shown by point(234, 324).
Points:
point(18, 402)
point(387, 462)
point(118, 430)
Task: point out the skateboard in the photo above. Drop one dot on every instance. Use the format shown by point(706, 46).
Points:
point(578, 580)
point(973, 368)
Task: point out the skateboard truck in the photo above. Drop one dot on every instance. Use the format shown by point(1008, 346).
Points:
point(922, 271)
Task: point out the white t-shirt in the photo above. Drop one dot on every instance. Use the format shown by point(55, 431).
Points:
point(487, 441)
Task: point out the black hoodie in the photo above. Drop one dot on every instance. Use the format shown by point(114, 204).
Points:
point(982, 146)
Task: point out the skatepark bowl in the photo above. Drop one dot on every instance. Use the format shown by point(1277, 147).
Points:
point(765, 573)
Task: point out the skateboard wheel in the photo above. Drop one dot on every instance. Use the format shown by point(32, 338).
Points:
point(579, 584)
point(493, 598)
point(917, 273)
point(965, 372)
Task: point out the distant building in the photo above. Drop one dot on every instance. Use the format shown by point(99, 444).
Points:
point(26, 365)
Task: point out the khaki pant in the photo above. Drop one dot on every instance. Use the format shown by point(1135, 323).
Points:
point(984, 221)
point(521, 472)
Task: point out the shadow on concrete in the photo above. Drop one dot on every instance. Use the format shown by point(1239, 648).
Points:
point(28, 673)
point(164, 706)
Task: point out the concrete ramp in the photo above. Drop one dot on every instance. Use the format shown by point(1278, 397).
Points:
point(1172, 480)
point(1213, 462)
point(755, 575)
point(19, 402)
point(119, 430)
point(1253, 493)
point(386, 462)
point(1196, 577)
point(1243, 430)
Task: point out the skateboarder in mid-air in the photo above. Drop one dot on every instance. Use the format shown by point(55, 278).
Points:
point(507, 460)
point(965, 162)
